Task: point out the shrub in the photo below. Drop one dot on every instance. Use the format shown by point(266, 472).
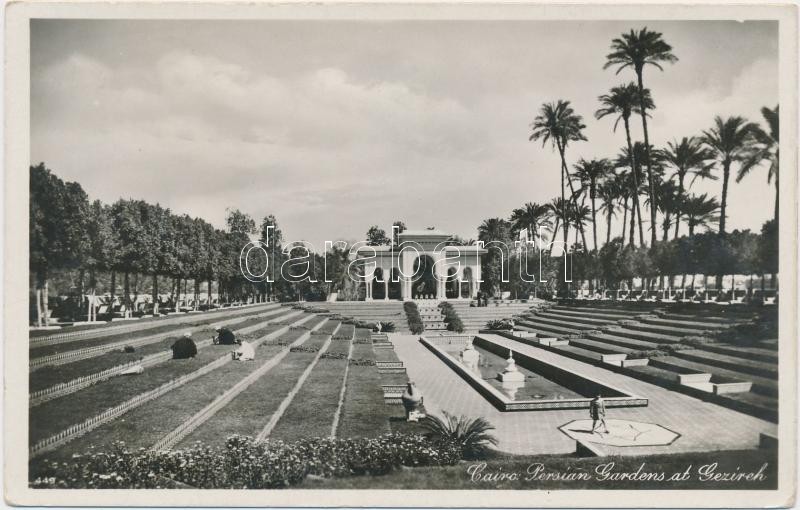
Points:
point(244, 463)
point(451, 317)
point(654, 353)
point(386, 327)
point(414, 320)
point(498, 324)
point(128, 348)
point(693, 340)
point(673, 348)
point(471, 435)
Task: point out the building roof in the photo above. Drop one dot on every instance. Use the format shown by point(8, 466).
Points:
point(425, 233)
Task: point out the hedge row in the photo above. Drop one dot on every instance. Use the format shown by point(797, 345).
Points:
point(414, 319)
point(451, 318)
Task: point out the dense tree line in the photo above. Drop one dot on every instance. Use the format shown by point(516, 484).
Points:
point(107, 245)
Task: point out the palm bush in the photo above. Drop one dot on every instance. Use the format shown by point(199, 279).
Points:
point(471, 435)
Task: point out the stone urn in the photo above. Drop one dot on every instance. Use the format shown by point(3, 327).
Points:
point(470, 357)
point(412, 399)
point(511, 373)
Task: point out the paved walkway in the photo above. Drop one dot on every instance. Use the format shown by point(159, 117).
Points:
point(702, 426)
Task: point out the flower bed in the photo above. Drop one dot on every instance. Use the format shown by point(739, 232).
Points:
point(243, 463)
point(303, 348)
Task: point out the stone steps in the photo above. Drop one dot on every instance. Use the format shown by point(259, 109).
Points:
point(694, 323)
point(737, 364)
point(622, 341)
point(665, 330)
point(601, 347)
point(600, 314)
point(578, 353)
point(560, 323)
point(575, 318)
point(761, 385)
point(645, 335)
point(549, 329)
point(756, 353)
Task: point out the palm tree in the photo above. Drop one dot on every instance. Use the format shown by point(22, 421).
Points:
point(609, 193)
point(623, 101)
point(472, 435)
point(767, 149)
point(530, 218)
point(688, 156)
point(579, 215)
point(732, 140)
point(590, 173)
point(669, 202)
point(700, 211)
point(559, 209)
point(558, 123)
point(636, 50)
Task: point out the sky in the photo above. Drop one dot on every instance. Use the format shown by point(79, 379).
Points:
point(333, 126)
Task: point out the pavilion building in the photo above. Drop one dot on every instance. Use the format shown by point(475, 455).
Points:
point(422, 265)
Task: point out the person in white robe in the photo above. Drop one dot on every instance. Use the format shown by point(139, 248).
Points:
point(244, 352)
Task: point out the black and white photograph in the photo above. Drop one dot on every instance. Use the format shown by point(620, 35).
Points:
point(505, 255)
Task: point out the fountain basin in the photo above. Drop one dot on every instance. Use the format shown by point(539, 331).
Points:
point(564, 389)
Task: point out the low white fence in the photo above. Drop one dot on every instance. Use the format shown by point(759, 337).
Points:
point(85, 334)
point(190, 425)
point(63, 358)
point(59, 390)
point(78, 430)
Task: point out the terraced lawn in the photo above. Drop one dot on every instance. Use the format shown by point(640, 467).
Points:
point(49, 376)
point(249, 412)
point(364, 412)
point(51, 417)
point(313, 408)
point(148, 423)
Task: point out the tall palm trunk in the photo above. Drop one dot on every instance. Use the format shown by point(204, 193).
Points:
point(726, 173)
point(651, 185)
point(681, 175)
point(632, 157)
point(624, 218)
point(555, 233)
point(563, 195)
point(777, 197)
point(608, 226)
point(594, 219)
point(633, 225)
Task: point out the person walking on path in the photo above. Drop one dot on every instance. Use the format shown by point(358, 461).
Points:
point(597, 410)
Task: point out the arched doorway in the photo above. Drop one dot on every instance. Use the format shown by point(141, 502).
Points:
point(378, 289)
point(423, 283)
point(394, 284)
point(451, 285)
point(466, 283)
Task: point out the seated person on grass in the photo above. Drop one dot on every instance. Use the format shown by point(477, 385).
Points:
point(224, 337)
point(244, 352)
point(184, 347)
